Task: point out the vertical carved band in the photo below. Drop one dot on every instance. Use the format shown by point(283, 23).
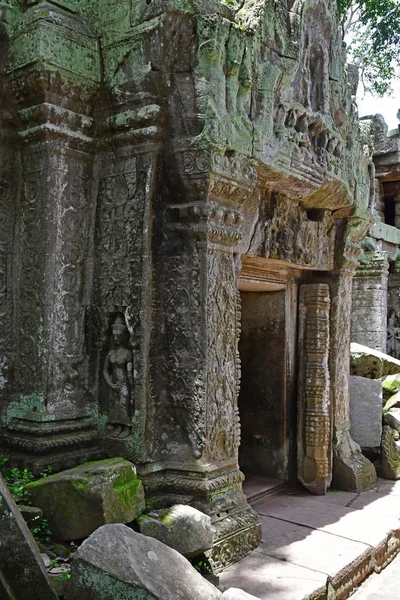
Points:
point(314, 428)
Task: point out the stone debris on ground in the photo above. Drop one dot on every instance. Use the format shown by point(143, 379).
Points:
point(181, 527)
point(116, 561)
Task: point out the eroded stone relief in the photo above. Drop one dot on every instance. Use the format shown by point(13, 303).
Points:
point(160, 143)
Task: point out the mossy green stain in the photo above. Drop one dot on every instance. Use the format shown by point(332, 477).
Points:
point(81, 484)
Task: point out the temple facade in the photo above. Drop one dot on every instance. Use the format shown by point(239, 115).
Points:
point(183, 194)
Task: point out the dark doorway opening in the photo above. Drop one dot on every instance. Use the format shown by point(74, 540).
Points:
point(265, 405)
point(390, 210)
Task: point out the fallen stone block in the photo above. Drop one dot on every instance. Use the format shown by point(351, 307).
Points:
point(181, 527)
point(124, 564)
point(78, 501)
point(370, 363)
point(237, 594)
point(392, 418)
point(22, 571)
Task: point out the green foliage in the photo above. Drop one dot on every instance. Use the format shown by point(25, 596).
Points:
point(372, 30)
point(16, 480)
point(40, 530)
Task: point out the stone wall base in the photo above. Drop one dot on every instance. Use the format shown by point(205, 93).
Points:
point(235, 536)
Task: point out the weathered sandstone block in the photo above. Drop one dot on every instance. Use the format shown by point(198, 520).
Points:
point(125, 564)
point(181, 527)
point(370, 363)
point(79, 500)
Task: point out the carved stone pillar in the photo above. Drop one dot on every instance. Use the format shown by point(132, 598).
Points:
point(393, 312)
point(193, 413)
point(314, 452)
point(369, 307)
point(49, 415)
point(351, 470)
point(368, 327)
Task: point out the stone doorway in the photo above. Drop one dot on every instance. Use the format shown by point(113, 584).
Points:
point(267, 397)
point(263, 406)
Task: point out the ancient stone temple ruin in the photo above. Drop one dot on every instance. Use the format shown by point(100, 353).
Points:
point(182, 202)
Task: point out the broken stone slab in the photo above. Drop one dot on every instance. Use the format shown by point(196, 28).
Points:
point(78, 501)
point(392, 418)
point(125, 564)
point(22, 571)
point(370, 363)
point(237, 594)
point(181, 527)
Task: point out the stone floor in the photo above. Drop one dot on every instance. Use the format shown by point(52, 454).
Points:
point(320, 547)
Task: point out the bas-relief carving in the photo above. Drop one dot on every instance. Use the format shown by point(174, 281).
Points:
point(118, 374)
point(393, 317)
point(222, 411)
point(275, 227)
point(120, 285)
point(8, 197)
point(228, 98)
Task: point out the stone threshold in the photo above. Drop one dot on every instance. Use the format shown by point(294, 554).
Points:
point(258, 488)
point(319, 547)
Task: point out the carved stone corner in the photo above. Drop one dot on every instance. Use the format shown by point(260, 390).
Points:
point(352, 471)
point(389, 466)
point(235, 536)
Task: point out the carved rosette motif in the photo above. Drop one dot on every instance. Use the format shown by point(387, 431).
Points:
point(314, 423)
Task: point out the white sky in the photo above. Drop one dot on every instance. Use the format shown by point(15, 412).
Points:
point(386, 106)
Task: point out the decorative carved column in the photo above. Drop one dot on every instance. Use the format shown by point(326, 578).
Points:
point(351, 470)
point(49, 416)
point(393, 312)
point(314, 453)
point(193, 418)
point(369, 307)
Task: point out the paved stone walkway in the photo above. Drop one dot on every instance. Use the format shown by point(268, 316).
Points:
point(322, 547)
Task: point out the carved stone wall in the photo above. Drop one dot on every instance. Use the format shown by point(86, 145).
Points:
point(393, 313)
point(158, 143)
